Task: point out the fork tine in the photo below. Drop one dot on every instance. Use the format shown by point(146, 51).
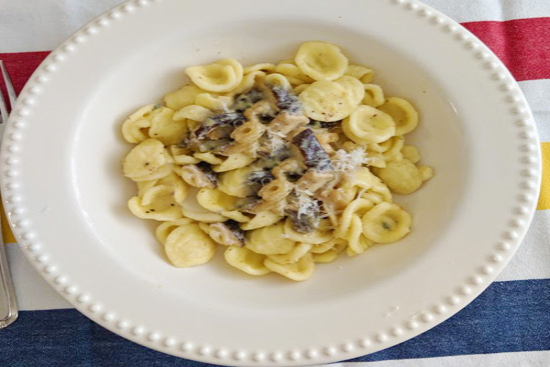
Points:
point(9, 85)
point(3, 110)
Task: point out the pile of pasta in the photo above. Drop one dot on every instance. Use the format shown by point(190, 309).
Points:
point(280, 166)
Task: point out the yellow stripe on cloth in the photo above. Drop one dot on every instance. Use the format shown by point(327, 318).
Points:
point(544, 198)
point(6, 231)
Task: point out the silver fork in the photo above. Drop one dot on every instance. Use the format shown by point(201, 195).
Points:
point(7, 292)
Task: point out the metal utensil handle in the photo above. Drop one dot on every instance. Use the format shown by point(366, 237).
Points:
point(9, 291)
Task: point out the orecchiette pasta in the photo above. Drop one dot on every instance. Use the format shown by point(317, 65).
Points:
point(321, 60)
point(221, 76)
point(298, 271)
point(368, 125)
point(164, 128)
point(246, 260)
point(364, 74)
point(147, 161)
point(374, 95)
point(183, 97)
point(332, 101)
point(283, 165)
point(403, 114)
point(134, 129)
point(188, 245)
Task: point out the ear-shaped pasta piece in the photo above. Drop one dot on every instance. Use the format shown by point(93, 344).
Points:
point(193, 112)
point(144, 186)
point(354, 87)
point(134, 129)
point(196, 177)
point(157, 203)
point(277, 80)
point(146, 161)
point(403, 113)
point(265, 67)
point(325, 257)
point(246, 260)
point(300, 88)
point(386, 223)
point(234, 161)
point(182, 97)
point(165, 228)
point(299, 271)
point(235, 182)
point(215, 200)
point(358, 207)
point(381, 191)
point(182, 156)
point(213, 102)
point(364, 74)
point(332, 101)
point(292, 73)
point(411, 153)
point(165, 129)
point(262, 219)
point(329, 254)
point(324, 247)
point(368, 125)
point(360, 246)
point(374, 95)
point(394, 145)
point(208, 157)
point(192, 209)
point(293, 256)
point(372, 197)
point(188, 245)
point(340, 198)
point(426, 172)
point(179, 187)
point(321, 60)
point(402, 177)
point(248, 82)
point(269, 240)
point(221, 76)
point(357, 243)
point(364, 179)
point(314, 237)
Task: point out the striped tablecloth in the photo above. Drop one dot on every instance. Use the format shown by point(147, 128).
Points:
point(508, 325)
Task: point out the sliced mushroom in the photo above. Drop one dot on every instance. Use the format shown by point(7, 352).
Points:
point(315, 156)
point(246, 100)
point(303, 211)
point(233, 119)
point(286, 100)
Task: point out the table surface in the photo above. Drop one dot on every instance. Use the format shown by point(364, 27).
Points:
point(508, 325)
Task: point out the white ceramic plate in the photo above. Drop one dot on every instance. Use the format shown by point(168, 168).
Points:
point(66, 197)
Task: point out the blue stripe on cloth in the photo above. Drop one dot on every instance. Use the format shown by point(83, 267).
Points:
point(508, 317)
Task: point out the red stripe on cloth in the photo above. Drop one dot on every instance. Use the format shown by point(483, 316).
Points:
point(21, 65)
point(523, 45)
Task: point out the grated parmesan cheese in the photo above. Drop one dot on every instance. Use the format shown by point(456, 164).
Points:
point(274, 141)
point(348, 162)
point(306, 203)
